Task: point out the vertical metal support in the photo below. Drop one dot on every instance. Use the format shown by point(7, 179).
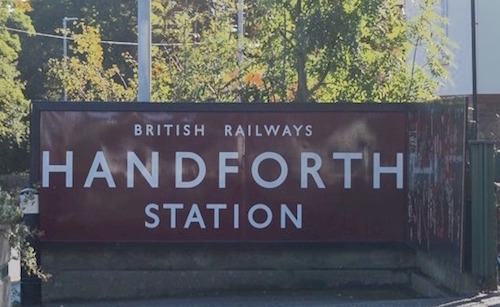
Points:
point(31, 287)
point(240, 33)
point(65, 49)
point(483, 213)
point(283, 70)
point(240, 44)
point(65, 43)
point(144, 49)
point(474, 64)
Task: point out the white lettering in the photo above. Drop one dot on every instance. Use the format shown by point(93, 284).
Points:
point(148, 210)
point(168, 127)
point(236, 216)
point(255, 170)
point(216, 208)
point(310, 170)
point(257, 131)
point(137, 130)
point(133, 161)
point(173, 207)
point(377, 170)
point(228, 130)
point(297, 129)
point(295, 219)
point(169, 130)
point(286, 131)
point(202, 169)
point(149, 130)
point(199, 130)
point(225, 169)
point(347, 157)
point(187, 130)
point(99, 162)
point(239, 131)
point(268, 130)
point(266, 222)
point(259, 216)
point(47, 168)
point(195, 216)
point(272, 129)
point(309, 130)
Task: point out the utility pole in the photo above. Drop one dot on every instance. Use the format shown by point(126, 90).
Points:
point(65, 49)
point(474, 65)
point(240, 42)
point(144, 49)
point(240, 33)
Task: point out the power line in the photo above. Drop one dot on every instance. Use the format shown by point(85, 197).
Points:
point(62, 37)
point(102, 41)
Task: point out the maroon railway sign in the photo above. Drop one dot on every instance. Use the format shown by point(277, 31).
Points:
point(218, 172)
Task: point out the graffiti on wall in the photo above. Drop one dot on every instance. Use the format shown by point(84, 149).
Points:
point(436, 142)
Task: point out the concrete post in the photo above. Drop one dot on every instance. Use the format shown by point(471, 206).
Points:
point(144, 50)
point(31, 287)
point(5, 285)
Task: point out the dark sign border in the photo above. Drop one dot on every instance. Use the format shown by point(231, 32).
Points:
point(39, 107)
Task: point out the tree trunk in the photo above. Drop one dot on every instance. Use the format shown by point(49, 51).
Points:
point(302, 90)
point(301, 55)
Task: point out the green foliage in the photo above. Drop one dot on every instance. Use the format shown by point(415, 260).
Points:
point(14, 156)
point(350, 50)
point(18, 234)
point(84, 77)
point(429, 42)
point(198, 60)
point(295, 50)
point(116, 20)
point(14, 108)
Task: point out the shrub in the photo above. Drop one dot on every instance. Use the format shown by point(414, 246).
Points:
point(18, 233)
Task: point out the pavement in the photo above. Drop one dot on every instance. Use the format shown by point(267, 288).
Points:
point(313, 299)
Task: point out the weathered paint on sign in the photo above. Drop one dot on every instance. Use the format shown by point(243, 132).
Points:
point(436, 156)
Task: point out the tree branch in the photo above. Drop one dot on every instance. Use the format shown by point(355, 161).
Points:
point(417, 42)
point(322, 78)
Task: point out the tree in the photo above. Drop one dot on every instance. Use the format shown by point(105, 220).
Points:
point(84, 76)
point(195, 60)
point(198, 57)
point(18, 233)
point(350, 50)
point(295, 50)
point(14, 107)
point(428, 38)
point(116, 20)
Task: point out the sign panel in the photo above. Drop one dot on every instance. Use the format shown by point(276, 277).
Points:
point(436, 159)
point(195, 175)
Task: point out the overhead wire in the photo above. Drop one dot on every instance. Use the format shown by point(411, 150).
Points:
point(71, 38)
